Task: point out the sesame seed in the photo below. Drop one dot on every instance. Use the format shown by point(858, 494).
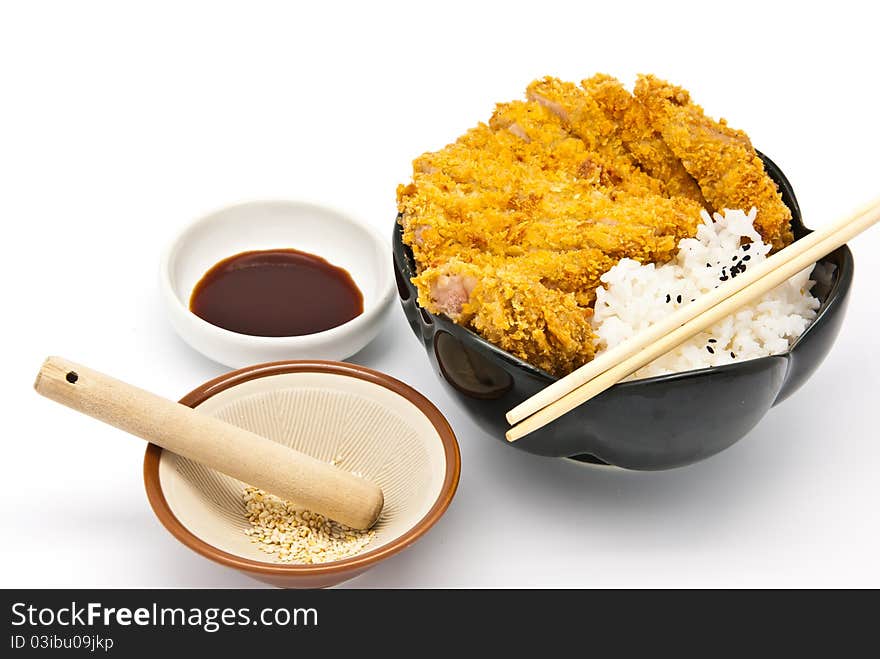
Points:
point(746, 257)
point(668, 298)
point(732, 356)
point(710, 349)
point(678, 299)
point(292, 535)
point(746, 247)
point(735, 257)
point(713, 340)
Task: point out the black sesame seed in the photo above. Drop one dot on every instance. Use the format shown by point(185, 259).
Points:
point(734, 273)
point(713, 340)
point(678, 299)
point(735, 257)
point(724, 278)
point(668, 298)
point(746, 247)
point(711, 351)
point(732, 356)
point(746, 257)
point(708, 265)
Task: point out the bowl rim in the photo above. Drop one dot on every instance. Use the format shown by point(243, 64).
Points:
point(842, 276)
point(359, 562)
point(176, 306)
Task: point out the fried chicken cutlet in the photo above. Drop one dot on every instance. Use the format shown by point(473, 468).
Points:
point(513, 224)
point(581, 115)
point(720, 158)
point(642, 138)
point(527, 305)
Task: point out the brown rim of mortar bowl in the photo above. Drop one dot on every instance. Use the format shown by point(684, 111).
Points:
point(358, 562)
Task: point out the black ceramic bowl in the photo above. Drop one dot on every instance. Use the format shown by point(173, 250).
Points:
point(655, 423)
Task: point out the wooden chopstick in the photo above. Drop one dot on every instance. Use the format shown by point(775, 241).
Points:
point(593, 378)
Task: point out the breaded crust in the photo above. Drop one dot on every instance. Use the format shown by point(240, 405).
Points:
point(513, 224)
point(720, 158)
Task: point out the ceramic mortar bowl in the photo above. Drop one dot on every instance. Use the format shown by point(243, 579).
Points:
point(654, 423)
point(257, 225)
point(372, 423)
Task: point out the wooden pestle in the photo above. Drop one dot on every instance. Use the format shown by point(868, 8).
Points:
point(317, 486)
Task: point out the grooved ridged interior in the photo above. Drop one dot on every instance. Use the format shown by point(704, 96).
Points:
point(372, 430)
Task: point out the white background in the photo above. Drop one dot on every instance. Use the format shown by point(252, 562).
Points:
point(119, 123)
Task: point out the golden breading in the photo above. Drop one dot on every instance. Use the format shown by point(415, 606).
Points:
point(721, 159)
point(487, 189)
point(641, 138)
point(526, 305)
point(583, 117)
point(513, 224)
point(621, 225)
point(548, 328)
point(541, 138)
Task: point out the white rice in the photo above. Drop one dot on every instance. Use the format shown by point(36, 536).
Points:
point(634, 296)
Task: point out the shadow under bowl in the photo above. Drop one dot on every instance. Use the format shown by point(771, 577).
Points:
point(366, 421)
point(650, 424)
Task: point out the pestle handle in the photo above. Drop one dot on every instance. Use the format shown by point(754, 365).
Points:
point(316, 485)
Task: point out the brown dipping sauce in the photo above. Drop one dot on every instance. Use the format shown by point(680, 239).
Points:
point(276, 292)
